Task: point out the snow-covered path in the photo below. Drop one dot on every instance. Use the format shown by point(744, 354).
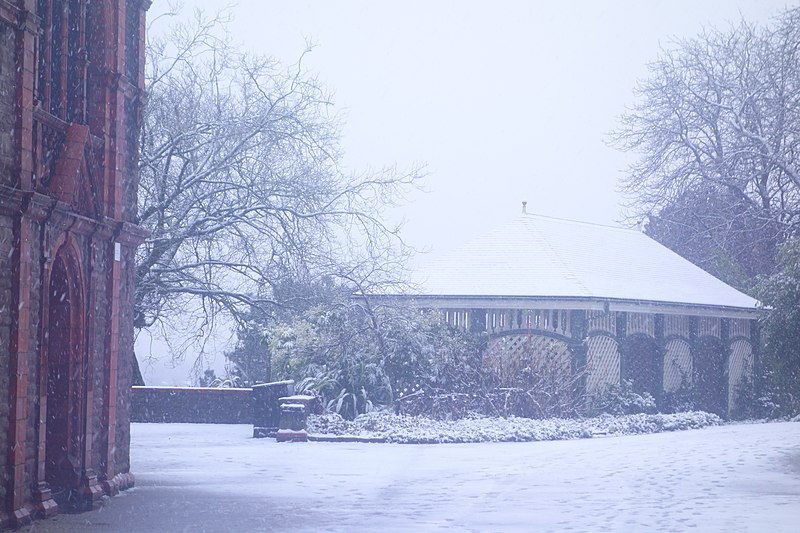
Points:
point(216, 478)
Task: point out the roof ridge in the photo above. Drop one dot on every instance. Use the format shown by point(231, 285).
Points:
point(581, 222)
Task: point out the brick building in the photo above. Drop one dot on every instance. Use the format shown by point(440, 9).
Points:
point(71, 91)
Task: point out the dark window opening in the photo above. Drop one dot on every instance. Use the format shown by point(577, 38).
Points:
point(132, 41)
point(57, 61)
point(75, 62)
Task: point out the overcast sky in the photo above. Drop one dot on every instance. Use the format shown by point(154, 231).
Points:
point(502, 101)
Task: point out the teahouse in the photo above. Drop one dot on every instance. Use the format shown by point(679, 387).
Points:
point(608, 300)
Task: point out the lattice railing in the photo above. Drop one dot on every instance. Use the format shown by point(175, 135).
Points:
point(556, 321)
point(709, 326)
point(602, 321)
point(641, 323)
point(676, 326)
point(458, 318)
point(740, 328)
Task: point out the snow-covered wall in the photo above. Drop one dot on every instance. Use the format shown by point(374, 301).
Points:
point(198, 405)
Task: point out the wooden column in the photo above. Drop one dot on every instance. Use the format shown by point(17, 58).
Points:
point(622, 335)
point(725, 337)
point(694, 336)
point(755, 343)
point(661, 350)
point(578, 347)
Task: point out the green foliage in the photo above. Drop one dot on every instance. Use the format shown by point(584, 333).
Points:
point(210, 379)
point(424, 352)
point(333, 352)
point(780, 294)
point(755, 398)
point(680, 400)
point(359, 358)
point(250, 359)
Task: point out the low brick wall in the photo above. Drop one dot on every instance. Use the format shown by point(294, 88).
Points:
point(198, 405)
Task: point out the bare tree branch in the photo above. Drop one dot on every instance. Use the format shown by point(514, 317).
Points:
point(717, 133)
point(241, 182)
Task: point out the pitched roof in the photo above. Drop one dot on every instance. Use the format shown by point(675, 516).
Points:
point(535, 256)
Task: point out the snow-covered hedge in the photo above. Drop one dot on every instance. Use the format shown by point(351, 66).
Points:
point(418, 430)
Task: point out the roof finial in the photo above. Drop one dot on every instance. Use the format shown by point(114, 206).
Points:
point(524, 207)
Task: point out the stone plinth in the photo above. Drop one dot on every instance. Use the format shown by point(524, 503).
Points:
point(267, 407)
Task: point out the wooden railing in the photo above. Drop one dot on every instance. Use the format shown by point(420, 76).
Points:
point(499, 321)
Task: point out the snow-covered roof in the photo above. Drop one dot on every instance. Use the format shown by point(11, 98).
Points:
point(534, 256)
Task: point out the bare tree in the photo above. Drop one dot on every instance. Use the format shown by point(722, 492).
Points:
point(717, 133)
point(241, 183)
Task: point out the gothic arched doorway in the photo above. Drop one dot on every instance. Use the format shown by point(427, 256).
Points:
point(64, 380)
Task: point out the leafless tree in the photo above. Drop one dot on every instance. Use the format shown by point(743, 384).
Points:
point(716, 132)
point(241, 182)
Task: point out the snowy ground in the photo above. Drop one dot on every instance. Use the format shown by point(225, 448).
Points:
point(215, 478)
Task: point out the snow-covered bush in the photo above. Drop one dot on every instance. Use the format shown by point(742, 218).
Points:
point(535, 402)
point(329, 424)
point(415, 429)
point(424, 353)
point(621, 399)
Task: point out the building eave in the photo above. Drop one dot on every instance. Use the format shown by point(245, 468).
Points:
point(564, 303)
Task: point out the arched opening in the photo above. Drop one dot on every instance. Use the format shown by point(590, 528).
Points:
point(64, 383)
point(641, 364)
point(708, 361)
point(602, 364)
point(539, 368)
point(518, 360)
